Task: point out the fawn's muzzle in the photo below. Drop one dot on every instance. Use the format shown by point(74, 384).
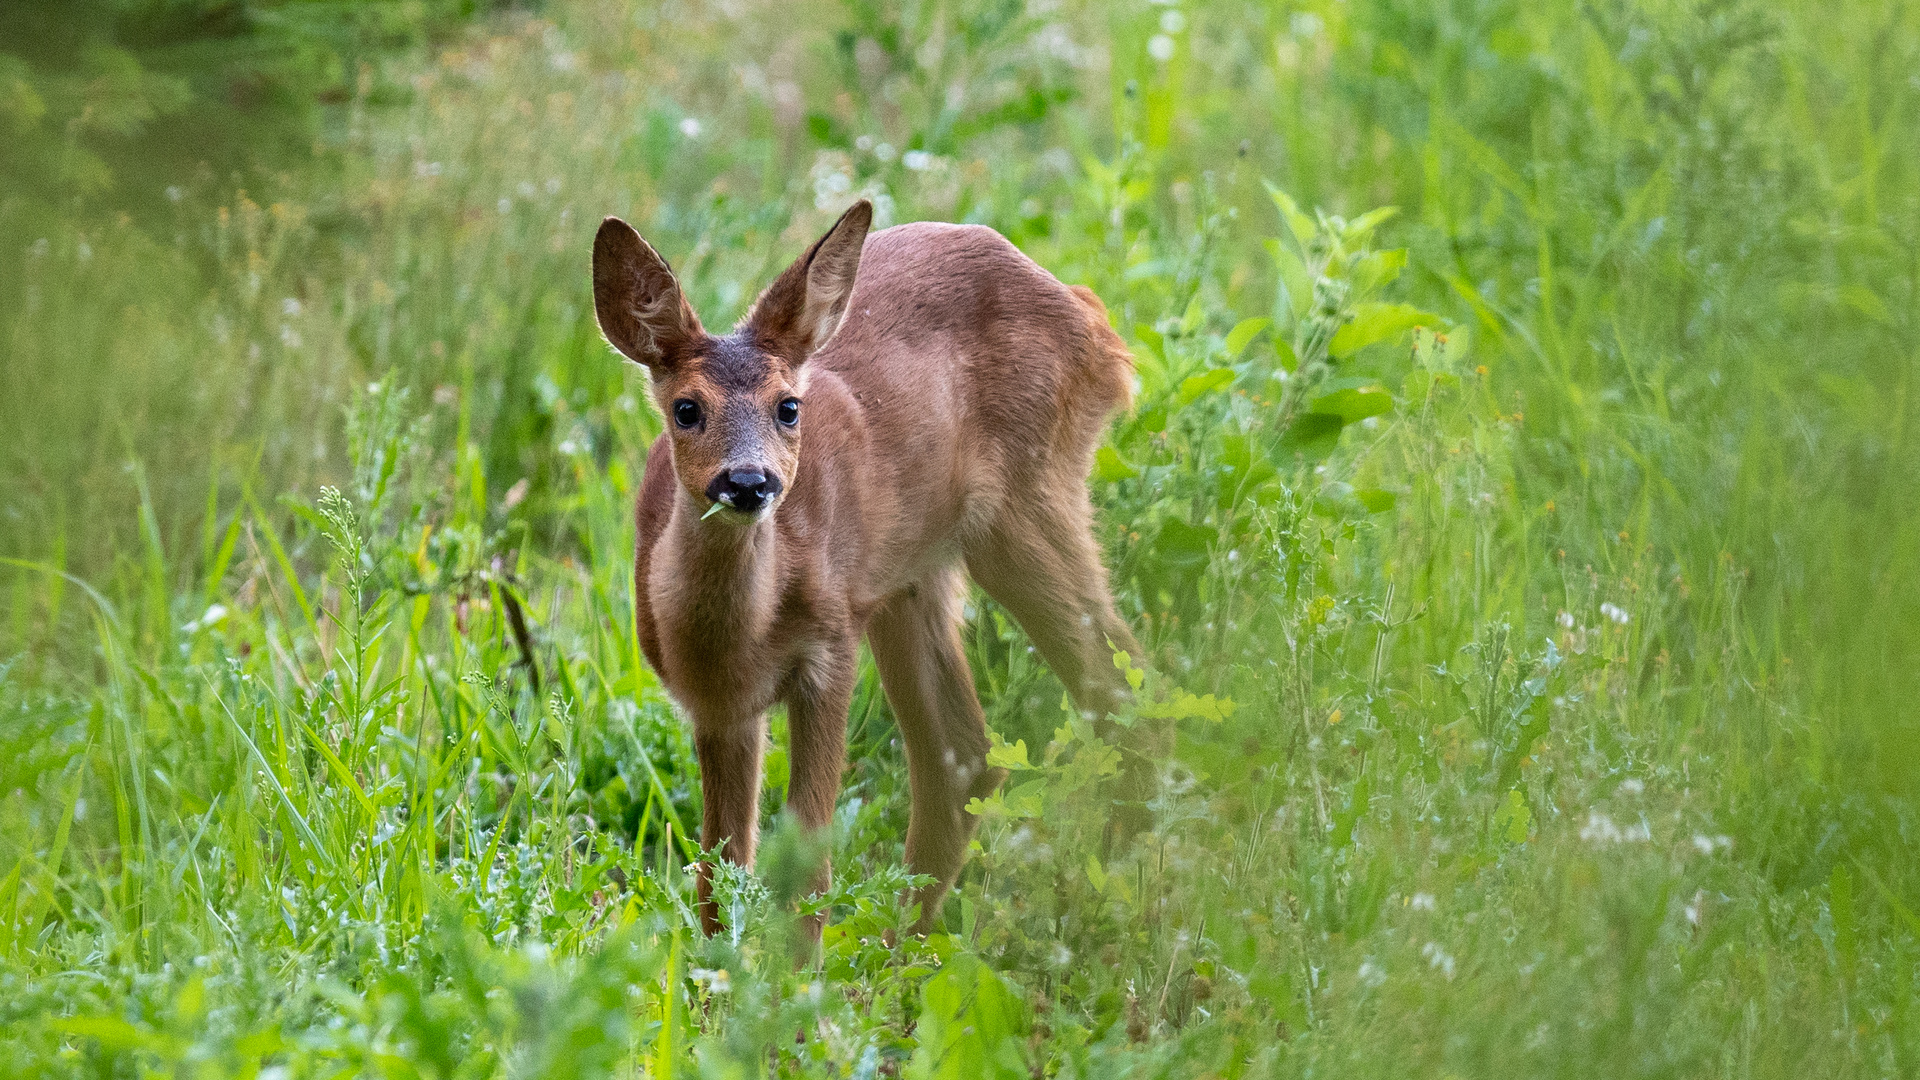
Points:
point(746, 490)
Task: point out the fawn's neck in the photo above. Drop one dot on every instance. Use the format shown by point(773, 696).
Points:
point(729, 571)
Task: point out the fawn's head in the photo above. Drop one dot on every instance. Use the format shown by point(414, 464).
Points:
point(732, 403)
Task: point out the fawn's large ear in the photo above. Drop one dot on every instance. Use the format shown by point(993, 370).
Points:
point(641, 310)
point(803, 307)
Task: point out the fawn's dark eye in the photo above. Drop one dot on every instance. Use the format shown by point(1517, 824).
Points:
point(686, 413)
point(788, 411)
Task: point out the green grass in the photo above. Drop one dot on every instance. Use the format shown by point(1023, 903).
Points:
point(1549, 549)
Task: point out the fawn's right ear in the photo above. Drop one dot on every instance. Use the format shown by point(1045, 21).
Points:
point(639, 304)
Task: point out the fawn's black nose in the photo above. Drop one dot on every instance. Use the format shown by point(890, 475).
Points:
point(746, 490)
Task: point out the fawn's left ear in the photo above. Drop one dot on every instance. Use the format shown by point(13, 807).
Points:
point(804, 306)
point(639, 304)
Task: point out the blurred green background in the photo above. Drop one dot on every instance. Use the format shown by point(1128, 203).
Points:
point(1557, 538)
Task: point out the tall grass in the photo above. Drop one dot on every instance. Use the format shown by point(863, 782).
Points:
point(1529, 579)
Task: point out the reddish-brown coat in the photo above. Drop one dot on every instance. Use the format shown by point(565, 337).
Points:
point(954, 393)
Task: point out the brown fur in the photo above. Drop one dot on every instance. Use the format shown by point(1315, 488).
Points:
point(953, 395)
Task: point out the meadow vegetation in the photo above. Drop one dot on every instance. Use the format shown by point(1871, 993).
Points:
point(1518, 514)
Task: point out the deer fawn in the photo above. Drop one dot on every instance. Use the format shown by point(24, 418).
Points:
point(893, 406)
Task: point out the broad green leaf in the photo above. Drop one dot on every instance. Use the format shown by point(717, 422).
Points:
point(1243, 334)
point(1193, 386)
point(1155, 341)
point(1359, 227)
point(972, 1025)
point(1437, 352)
point(1312, 436)
point(1514, 820)
point(1108, 465)
point(1375, 500)
point(1378, 268)
point(1354, 403)
point(1004, 755)
point(112, 1032)
point(1186, 706)
point(1299, 224)
point(1378, 322)
point(1182, 544)
point(1866, 302)
point(1345, 821)
point(1096, 874)
point(1194, 316)
point(1289, 360)
point(1296, 283)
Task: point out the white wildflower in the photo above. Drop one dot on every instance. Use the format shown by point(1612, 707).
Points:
point(1615, 613)
point(690, 127)
point(1696, 908)
point(1421, 901)
point(1438, 958)
point(1601, 829)
point(715, 980)
point(1707, 845)
point(1160, 47)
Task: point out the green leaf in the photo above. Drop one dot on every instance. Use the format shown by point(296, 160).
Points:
point(1002, 755)
point(1846, 937)
point(1866, 302)
point(1345, 821)
point(1194, 316)
point(1353, 403)
point(1289, 360)
point(1514, 819)
point(1378, 322)
point(1154, 340)
point(1299, 224)
point(1096, 874)
point(1313, 435)
point(1378, 268)
point(1193, 386)
point(972, 1025)
point(111, 1032)
point(1186, 706)
point(1376, 500)
point(1359, 227)
point(1181, 544)
point(1109, 466)
point(1243, 334)
point(1437, 352)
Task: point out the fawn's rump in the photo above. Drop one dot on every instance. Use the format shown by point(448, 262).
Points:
point(975, 338)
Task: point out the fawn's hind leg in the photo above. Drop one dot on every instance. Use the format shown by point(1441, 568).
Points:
point(1040, 562)
point(915, 639)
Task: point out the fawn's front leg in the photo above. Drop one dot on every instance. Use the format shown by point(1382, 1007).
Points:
point(729, 753)
point(817, 725)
